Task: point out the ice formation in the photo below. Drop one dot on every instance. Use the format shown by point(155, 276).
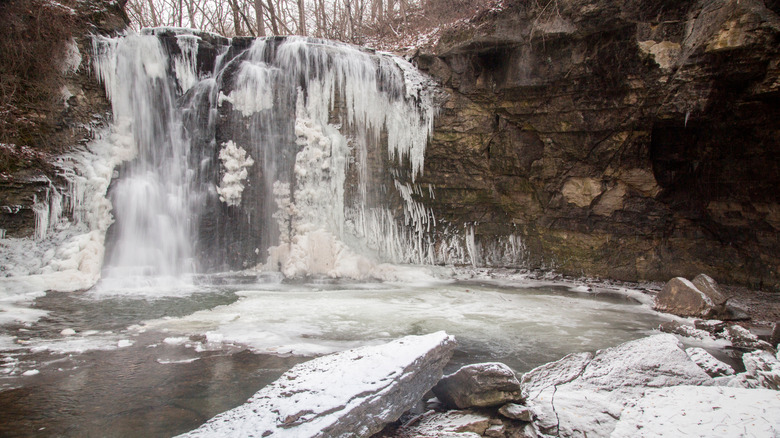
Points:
point(276, 148)
point(235, 163)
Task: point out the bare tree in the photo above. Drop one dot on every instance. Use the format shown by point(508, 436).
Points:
point(301, 17)
point(259, 20)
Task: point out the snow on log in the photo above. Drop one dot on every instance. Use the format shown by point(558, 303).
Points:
point(354, 393)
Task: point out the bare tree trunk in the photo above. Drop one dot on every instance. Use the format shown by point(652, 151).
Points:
point(404, 7)
point(390, 10)
point(191, 13)
point(259, 17)
point(301, 18)
point(272, 12)
point(236, 18)
point(153, 13)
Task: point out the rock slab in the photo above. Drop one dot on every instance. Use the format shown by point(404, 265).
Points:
point(352, 393)
point(479, 385)
point(582, 395)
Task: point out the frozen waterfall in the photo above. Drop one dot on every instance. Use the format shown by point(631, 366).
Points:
point(294, 153)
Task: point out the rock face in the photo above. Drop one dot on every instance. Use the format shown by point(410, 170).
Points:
point(681, 297)
point(479, 385)
point(603, 135)
point(583, 395)
point(353, 393)
point(33, 134)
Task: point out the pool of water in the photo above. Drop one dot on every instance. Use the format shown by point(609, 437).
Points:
point(114, 362)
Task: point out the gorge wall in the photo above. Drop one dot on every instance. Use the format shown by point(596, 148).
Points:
point(635, 140)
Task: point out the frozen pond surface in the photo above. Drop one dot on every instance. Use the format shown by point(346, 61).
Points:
point(126, 363)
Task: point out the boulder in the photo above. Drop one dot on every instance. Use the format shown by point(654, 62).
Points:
point(584, 396)
point(352, 393)
point(762, 370)
point(710, 288)
point(742, 339)
point(479, 385)
point(685, 330)
point(681, 297)
point(712, 366)
point(713, 326)
point(514, 411)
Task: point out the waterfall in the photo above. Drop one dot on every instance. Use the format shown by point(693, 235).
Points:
point(153, 197)
point(294, 153)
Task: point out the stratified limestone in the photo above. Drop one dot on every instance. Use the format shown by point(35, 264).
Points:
point(352, 393)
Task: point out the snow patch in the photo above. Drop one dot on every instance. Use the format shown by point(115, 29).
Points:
point(702, 411)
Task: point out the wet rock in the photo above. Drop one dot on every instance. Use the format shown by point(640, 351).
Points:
point(479, 385)
point(355, 392)
point(712, 366)
point(681, 297)
point(516, 412)
point(774, 338)
point(713, 326)
point(579, 396)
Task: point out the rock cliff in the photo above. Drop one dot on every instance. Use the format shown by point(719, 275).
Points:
point(636, 140)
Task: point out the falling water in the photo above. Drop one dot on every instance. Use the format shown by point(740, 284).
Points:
point(293, 147)
point(152, 198)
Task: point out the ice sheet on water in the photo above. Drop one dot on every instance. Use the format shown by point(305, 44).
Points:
point(303, 320)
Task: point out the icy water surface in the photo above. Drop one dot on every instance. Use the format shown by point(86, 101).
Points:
point(109, 363)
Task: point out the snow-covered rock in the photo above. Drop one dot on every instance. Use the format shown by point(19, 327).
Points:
point(702, 411)
point(742, 339)
point(681, 297)
point(355, 392)
point(479, 385)
point(584, 396)
point(449, 424)
point(712, 366)
point(762, 370)
point(516, 412)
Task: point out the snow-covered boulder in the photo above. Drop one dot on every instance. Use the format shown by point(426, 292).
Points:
point(352, 393)
point(479, 385)
point(762, 370)
point(712, 366)
point(583, 396)
point(701, 411)
point(742, 339)
point(681, 297)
